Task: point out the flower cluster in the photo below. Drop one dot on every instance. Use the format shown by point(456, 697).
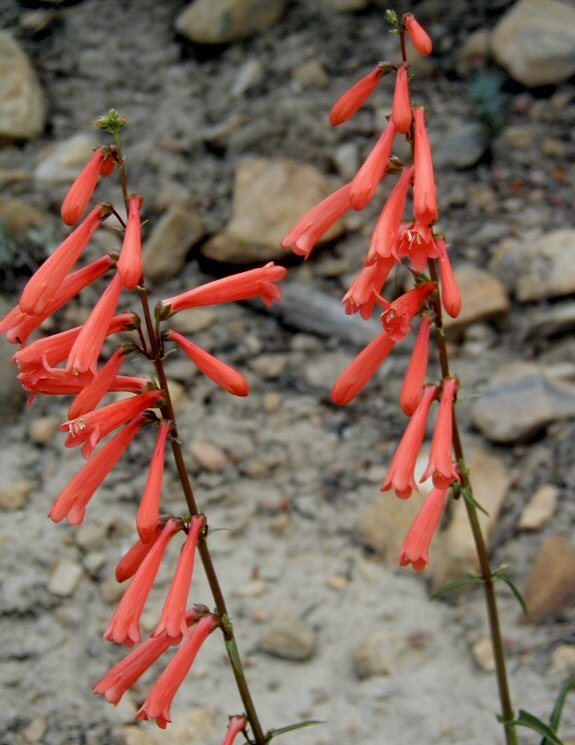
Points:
point(69, 363)
point(398, 240)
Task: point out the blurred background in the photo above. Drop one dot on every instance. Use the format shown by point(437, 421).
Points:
point(229, 143)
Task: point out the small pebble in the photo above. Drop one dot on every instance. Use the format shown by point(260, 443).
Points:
point(65, 578)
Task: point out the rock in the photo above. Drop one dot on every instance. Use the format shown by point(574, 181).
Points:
point(289, 639)
point(225, 21)
point(311, 74)
point(454, 553)
point(178, 395)
point(322, 370)
point(502, 413)
point(551, 321)
point(22, 101)
point(483, 655)
point(42, 429)
point(208, 455)
point(173, 236)
point(484, 297)
point(462, 146)
point(474, 52)
point(535, 42)
point(269, 366)
point(195, 727)
point(347, 6)
point(90, 535)
point(310, 310)
point(563, 660)
point(194, 320)
point(111, 590)
point(272, 402)
point(65, 578)
point(14, 495)
point(64, 162)
point(377, 655)
point(250, 74)
point(346, 159)
point(540, 509)
point(519, 137)
point(550, 585)
point(18, 217)
point(270, 196)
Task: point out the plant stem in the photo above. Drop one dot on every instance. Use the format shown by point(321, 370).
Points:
point(226, 625)
point(480, 545)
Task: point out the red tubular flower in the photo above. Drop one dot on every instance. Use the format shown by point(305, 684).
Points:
point(373, 171)
point(352, 101)
point(242, 286)
point(149, 510)
point(356, 376)
point(384, 241)
point(81, 191)
point(41, 287)
point(158, 704)
point(397, 318)
point(237, 724)
point(130, 562)
point(417, 244)
point(130, 266)
point(124, 628)
point(418, 35)
point(415, 549)
point(129, 670)
point(18, 325)
point(424, 190)
point(401, 472)
point(401, 112)
point(72, 502)
point(87, 347)
point(311, 228)
point(93, 426)
point(57, 382)
point(223, 375)
point(173, 622)
point(450, 295)
point(412, 389)
point(363, 294)
point(100, 384)
point(441, 465)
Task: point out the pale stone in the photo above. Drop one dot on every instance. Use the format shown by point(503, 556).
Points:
point(22, 100)
point(225, 21)
point(208, 455)
point(474, 52)
point(483, 297)
point(111, 590)
point(311, 74)
point(338, 582)
point(178, 395)
point(14, 495)
point(563, 660)
point(250, 74)
point(270, 197)
point(194, 320)
point(64, 162)
point(290, 639)
point(483, 655)
point(269, 366)
point(550, 585)
point(454, 552)
point(540, 508)
point(90, 535)
point(19, 217)
point(65, 578)
point(42, 430)
point(272, 402)
point(535, 41)
point(175, 233)
point(501, 413)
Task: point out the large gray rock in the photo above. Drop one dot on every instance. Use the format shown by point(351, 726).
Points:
point(225, 21)
point(535, 41)
point(484, 297)
point(550, 586)
point(22, 101)
point(519, 401)
point(270, 197)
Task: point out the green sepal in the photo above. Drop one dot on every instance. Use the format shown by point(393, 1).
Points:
point(567, 686)
point(112, 122)
point(292, 728)
point(391, 17)
point(503, 575)
point(468, 579)
point(233, 652)
point(525, 719)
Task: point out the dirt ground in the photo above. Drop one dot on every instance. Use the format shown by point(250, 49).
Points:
point(298, 474)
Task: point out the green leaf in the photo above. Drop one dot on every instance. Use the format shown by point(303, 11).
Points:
point(525, 719)
point(292, 727)
point(234, 655)
point(512, 586)
point(468, 496)
point(567, 686)
point(468, 579)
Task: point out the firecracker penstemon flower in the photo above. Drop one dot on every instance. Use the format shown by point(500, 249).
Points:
point(410, 241)
point(70, 363)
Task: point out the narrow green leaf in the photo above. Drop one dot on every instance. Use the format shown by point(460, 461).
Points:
point(505, 577)
point(234, 655)
point(567, 686)
point(469, 579)
point(525, 719)
point(468, 496)
point(292, 727)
